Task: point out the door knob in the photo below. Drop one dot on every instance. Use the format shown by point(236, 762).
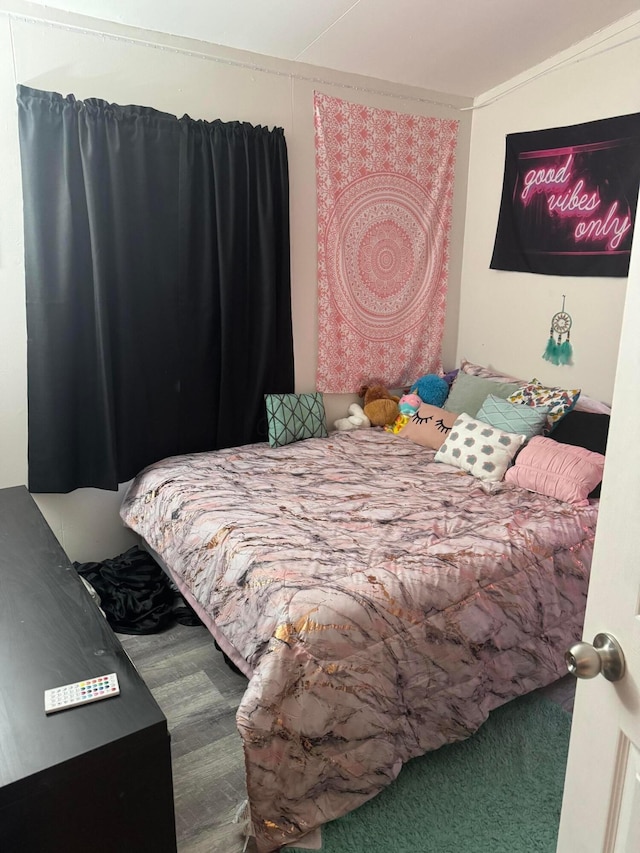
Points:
point(604, 656)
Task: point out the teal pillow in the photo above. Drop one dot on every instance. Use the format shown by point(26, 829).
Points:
point(293, 417)
point(512, 417)
point(468, 393)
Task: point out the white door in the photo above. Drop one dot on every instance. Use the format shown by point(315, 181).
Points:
point(601, 805)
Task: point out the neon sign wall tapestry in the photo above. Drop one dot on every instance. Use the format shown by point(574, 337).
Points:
point(569, 199)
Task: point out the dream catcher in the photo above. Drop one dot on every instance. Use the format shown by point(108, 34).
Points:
point(559, 349)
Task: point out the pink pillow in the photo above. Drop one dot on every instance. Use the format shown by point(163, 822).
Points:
point(584, 404)
point(588, 404)
point(561, 471)
point(429, 426)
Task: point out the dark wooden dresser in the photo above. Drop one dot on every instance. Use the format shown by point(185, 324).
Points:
point(91, 779)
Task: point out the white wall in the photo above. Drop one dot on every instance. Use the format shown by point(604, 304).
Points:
point(177, 76)
point(505, 316)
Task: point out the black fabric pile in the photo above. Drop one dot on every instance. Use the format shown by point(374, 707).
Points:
point(136, 595)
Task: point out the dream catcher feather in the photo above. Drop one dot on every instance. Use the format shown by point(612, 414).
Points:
point(559, 349)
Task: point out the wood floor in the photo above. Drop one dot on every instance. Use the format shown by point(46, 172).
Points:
point(199, 695)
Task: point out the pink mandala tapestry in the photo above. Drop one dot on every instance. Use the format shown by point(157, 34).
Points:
point(385, 188)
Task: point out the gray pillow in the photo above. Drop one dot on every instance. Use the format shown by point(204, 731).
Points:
point(468, 393)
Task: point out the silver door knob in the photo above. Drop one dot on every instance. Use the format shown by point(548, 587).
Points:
point(604, 656)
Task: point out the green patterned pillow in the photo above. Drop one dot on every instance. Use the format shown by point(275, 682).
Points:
point(293, 417)
point(512, 417)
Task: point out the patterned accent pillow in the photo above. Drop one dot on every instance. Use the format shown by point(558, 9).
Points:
point(589, 404)
point(480, 449)
point(468, 393)
point(511, 417)
point(429, 426)
point(561, 471)
point(293, 417)
point(488, 372)
point(559, 400)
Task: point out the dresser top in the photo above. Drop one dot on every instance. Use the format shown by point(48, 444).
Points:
point(51, 634)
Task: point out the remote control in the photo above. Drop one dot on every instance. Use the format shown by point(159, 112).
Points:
point(80, 693)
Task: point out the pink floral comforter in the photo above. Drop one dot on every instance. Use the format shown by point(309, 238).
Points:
point(382, 604)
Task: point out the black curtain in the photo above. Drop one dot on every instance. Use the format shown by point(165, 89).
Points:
point(157, 282)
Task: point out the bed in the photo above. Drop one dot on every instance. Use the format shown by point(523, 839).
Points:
point(381, 604)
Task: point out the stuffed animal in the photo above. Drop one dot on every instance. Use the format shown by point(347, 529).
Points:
point(450, 376)
point(408, 405)
point(379, 406)
point(355, 420)
point(432, 389)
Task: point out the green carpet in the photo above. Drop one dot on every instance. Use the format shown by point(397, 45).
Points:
point(499, 791)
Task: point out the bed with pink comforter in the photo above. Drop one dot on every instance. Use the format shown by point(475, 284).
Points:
point(382, 604)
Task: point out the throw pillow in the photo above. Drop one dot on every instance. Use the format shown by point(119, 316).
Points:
point(488, 372)
point(428, 426)
point(293, 417)
point(480, 449)
point(560, 471)
point(510, 417)
point(589, 404)
point(559, 400)
point(468, 393)
point(584, 429)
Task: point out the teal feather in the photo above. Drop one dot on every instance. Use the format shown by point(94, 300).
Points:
point(551, 352)
point(565, 352)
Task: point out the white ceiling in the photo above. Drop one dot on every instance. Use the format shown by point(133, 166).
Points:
point(461, 47)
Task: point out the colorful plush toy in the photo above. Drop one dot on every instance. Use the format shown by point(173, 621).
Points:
point(431, 388)
point(408, 405)
point(355, 420)
point(379, 406)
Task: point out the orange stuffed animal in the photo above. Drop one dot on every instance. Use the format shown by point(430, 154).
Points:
point(380, 406)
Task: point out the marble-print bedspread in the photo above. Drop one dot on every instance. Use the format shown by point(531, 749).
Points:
point(383, 603)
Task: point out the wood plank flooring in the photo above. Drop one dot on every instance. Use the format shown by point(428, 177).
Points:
point(199, 695)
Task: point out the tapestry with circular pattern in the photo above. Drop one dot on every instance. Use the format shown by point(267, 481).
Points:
point(384, 191)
